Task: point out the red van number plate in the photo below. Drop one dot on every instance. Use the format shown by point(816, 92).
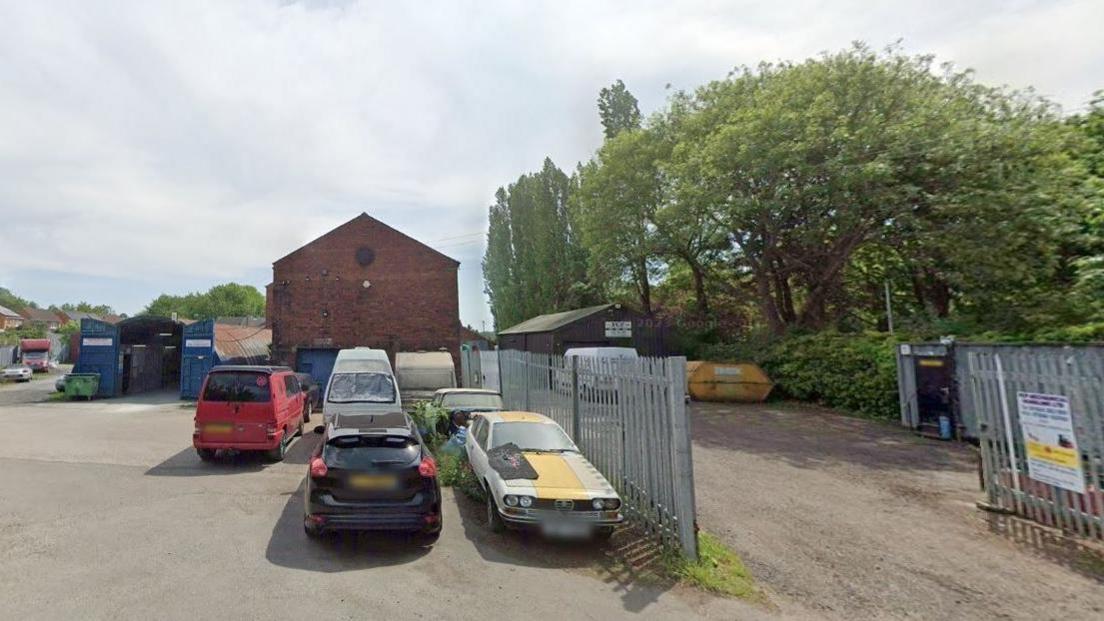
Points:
point(218, 428)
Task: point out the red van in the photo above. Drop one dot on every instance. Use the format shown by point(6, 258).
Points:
point(248, 408)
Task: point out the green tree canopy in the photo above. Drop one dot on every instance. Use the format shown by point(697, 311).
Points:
point(13, 301)
point(618, 109)
point(226, 300)
point(533, 263)
point(85, 307)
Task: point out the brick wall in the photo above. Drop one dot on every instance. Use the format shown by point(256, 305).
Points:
point(318, 299)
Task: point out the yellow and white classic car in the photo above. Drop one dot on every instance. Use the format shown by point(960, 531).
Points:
point(534, 476)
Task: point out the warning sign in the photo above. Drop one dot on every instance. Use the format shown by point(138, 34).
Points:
point(1052, 455)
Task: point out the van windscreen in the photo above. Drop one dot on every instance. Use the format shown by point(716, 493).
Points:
point(237, 386)
point(361, 388)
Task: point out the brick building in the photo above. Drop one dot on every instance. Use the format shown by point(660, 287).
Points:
point(361, 284)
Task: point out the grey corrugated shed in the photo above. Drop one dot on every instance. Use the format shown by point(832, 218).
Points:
point(547, 323)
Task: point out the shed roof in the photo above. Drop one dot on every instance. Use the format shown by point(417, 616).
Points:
point(547, 323)
point(242, 342)
point(7, 312)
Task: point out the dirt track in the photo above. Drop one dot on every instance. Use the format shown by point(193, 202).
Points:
point(844, 518)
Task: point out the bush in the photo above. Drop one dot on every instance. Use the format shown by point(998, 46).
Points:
point(455, 471)
point(427, 418)
point(853, 372)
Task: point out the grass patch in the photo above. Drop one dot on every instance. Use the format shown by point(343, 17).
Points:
point(718, 570)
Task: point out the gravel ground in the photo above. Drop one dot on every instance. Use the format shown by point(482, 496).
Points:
point(842, 518)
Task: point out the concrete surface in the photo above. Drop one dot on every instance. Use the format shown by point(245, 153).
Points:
point(107, 513)
point(38, 389)
point(841, 518)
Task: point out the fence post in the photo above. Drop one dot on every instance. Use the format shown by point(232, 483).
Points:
point(682, 460)
point(575, 415)
point(526, 358)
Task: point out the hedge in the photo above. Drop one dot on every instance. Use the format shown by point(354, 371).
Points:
point(852, 372)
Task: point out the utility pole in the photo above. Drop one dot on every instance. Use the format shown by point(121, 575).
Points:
point(889, 308)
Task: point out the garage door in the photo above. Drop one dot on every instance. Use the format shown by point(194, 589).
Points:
point(318, 362)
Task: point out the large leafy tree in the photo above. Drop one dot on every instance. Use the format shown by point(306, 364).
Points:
point(810, 163)
point(618, 109)
point(533, 263)
point(620, 191)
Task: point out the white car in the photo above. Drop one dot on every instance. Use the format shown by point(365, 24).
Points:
point(534, 476)
point(18, 373)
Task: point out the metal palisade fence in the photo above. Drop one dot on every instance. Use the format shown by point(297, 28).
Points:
point(629, 418)
point(1040, 417)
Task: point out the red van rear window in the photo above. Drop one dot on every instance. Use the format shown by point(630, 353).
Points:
point(241, 386)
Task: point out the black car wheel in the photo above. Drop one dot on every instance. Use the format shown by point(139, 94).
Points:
point(494, 520)
point(307, 413)
point(604, 533)
point(206, 454)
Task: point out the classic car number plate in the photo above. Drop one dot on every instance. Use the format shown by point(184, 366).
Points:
point(565, 529)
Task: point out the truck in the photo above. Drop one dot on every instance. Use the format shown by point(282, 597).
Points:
point(35, 353)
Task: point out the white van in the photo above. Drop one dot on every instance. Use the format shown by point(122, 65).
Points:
point(362, 384)
point(602, 352)
point(596, 362)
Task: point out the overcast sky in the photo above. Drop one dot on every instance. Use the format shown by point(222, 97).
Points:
point(150, 147)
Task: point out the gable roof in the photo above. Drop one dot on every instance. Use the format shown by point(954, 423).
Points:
point(547, 323)
point(40, 314)
point(7, 312)
point(75, 315)
point(361, 218)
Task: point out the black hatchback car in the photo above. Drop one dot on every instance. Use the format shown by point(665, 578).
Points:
point(376, 476)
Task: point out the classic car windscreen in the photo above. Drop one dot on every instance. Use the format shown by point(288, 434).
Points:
point(471, 400)
point(531, 437)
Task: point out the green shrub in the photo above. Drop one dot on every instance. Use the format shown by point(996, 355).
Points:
point(426, 417)
point(1087, 333)
point(853, 372)
point(453, 470)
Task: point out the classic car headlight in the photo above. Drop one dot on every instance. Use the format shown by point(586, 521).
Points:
point(510, 500)
point(611, 504)
point(598, 503)
point(526, 501)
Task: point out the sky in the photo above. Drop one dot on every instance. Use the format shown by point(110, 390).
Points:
point(165, 147)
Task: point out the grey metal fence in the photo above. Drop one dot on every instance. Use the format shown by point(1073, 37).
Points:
point(629, 418)
point(488, 369)
point(1040, 417)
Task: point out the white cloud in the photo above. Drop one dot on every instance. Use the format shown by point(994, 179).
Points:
point(163, 140)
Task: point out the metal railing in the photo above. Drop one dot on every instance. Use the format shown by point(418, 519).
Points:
point(628, 416)
point(1040, 417)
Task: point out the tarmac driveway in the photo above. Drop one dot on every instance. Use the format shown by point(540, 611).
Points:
point(844, 518)
point(107, 513)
